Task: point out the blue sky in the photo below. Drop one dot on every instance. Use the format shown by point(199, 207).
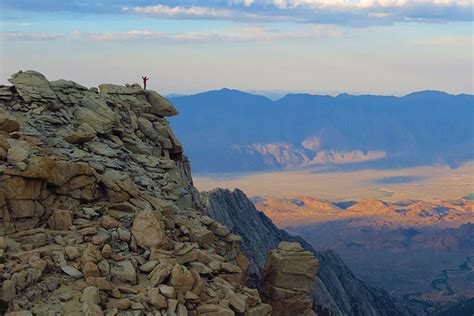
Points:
point(318, 46)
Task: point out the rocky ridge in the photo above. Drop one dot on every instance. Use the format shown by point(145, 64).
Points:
point(287, 156)
point(98, 213)
point(336, 291)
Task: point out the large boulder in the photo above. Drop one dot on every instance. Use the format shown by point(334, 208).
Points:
point(7, 122)
point(55, 172)
point(100, 124)
point(159, 104)
point(123, 271)
point(288, 276)
point(181, 279)
point(148, 229)
point(119, 187)
point(67, 91)
point(60, 220)
point(85, 133)
point(290, 267)
point(97, 114)
point(132, 89)
point(32, 86)
point(155, 103)
point(213, 310)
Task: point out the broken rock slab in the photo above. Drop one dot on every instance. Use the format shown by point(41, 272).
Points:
point(288, 277)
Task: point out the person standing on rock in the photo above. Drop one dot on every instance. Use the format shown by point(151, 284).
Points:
point(145, 79)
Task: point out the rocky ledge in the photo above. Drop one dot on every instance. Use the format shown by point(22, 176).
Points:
point(98, 213)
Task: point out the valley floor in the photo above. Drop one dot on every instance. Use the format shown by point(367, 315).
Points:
point(420, 251)
point(423, 183)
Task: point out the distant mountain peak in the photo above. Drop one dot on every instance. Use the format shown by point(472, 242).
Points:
point(227, 92)
point(431, 93)
point(343, 95)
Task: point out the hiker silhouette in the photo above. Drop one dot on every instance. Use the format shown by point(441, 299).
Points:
point(145, 79)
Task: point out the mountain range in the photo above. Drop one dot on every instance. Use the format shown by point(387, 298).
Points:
point(420, 251)
point(248, 133)
point(304, 210)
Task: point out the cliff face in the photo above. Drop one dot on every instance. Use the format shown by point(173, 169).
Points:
point(98, 213)
point(336, 290)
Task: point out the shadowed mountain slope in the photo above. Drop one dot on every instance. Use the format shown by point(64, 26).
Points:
point(336, 291)
point(247, 132)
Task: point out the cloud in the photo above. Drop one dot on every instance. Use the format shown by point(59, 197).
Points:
point(28, 36)
point(180, 11)
point(365, 4)
point(376, 11)
point(347, 12)
point(342, 12)
point(248, 34)
point(237, 10)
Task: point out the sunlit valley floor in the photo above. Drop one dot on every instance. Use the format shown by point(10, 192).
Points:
point(409, 231)
point(423, 183)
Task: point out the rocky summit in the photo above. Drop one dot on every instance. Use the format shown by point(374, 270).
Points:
point(98, 212)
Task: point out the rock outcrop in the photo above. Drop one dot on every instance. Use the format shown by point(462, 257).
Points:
point(336, 291)
point(98, 213)
point(289, 274)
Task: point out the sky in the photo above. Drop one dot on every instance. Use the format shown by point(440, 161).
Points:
point(318, 46)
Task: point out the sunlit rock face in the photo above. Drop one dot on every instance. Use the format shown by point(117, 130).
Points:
point(289, 274)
